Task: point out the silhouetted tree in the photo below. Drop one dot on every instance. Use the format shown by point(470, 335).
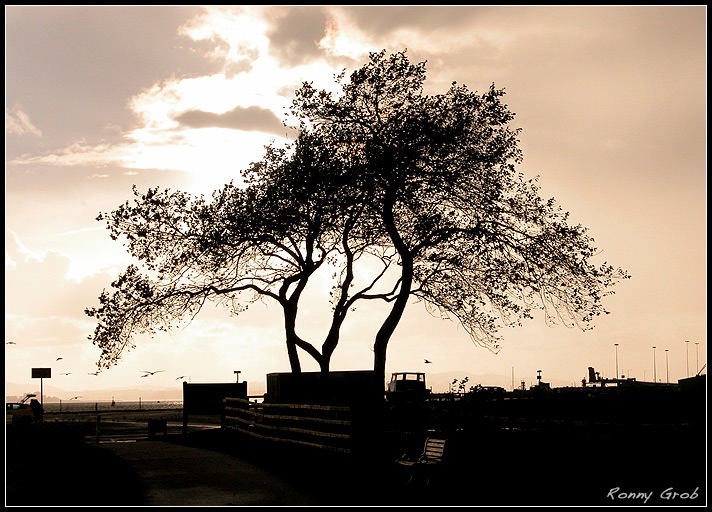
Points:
point(474, 239)
point(384, 170)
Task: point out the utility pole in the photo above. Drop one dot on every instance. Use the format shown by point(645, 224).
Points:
point(697, 357)
point(655, 371)
point(687, 359)
point(667, 368)
point(616, 344)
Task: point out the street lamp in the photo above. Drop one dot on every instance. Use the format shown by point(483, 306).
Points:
point(616, 344)
point(655, 374)
point(667, 370)
point(687, 359)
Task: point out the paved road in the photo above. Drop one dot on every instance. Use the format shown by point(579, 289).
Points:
point(182, 475)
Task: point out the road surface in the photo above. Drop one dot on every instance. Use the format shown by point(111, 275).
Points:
point(174, 474)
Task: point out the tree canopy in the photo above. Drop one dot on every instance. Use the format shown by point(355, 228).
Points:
point(426, 183)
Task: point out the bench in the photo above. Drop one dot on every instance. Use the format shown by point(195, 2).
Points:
point(432, 456)
point(156, 425)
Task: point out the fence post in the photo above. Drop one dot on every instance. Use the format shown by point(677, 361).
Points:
point(98, 423)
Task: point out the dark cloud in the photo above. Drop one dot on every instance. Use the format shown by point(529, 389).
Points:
point(295, 37)
point(74, 68)
point(380, 20)
point(249, 119)
point(241, 66)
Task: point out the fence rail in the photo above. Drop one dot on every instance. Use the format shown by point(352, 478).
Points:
point(319, 426)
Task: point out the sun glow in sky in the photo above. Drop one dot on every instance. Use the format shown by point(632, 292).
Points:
point(611, 100)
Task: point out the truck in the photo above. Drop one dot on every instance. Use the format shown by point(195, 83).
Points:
point(19, 412)
point(407, 386)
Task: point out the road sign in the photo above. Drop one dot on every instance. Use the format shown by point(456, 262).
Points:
point(41, 373)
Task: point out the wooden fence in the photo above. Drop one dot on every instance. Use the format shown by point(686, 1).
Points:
point(327, 427)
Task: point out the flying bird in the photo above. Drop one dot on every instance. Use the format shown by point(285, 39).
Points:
point(427, 362)
point(181, 377)
point(10, 343)
point(59, 358)
point(93, 373)
point(66, 373)
point(75, 397)
point(147, 373)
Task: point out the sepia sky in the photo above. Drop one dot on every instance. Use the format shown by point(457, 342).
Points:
point(612, 106)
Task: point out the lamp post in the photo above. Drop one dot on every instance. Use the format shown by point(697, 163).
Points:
point(616, 345)
point(687, 359)
point(655, 374)
point(667, 369)
point(697, 357)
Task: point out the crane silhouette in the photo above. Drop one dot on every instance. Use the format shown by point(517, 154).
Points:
point(147, 373)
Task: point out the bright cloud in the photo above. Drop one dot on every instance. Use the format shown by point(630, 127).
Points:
point(240, 34)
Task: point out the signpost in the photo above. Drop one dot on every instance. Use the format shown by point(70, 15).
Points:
point(41, 373)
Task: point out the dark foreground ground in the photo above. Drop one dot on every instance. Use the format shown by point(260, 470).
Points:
point(55, 465)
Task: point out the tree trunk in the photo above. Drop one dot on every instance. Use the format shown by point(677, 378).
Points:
point(388, 327)
point(324, 366)
point(294, 341)
point(294, 364)
point(391, 322)
point(290, 318)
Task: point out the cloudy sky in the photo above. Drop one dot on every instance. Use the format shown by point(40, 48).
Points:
point(611, 101)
